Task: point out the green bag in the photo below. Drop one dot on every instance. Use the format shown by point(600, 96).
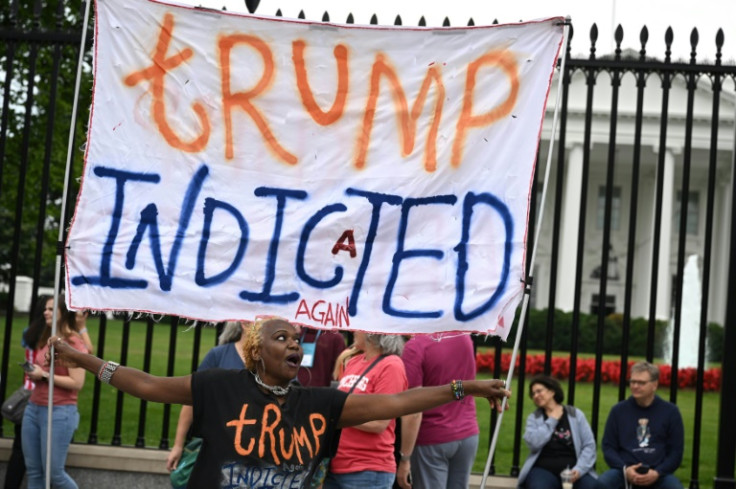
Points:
point(180, 476)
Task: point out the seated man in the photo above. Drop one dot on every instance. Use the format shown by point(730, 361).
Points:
point(644, 436)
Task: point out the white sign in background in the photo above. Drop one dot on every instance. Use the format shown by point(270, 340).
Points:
point(362, 177)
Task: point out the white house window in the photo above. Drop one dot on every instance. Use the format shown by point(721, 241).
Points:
point(693, 212)
point(609, 306)
point(615, 207)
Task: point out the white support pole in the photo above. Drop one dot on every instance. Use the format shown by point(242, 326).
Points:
point(540, 220)
point(60, 243)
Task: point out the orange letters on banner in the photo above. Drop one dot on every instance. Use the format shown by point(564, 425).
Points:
point(156, 73)
point(302, 82)
point(406, 121)
point(504, 60)
point(243, 99)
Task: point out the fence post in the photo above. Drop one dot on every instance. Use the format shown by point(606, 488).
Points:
point(726, 427)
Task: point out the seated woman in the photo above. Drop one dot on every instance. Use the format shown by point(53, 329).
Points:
point(558, 437)
point(258, 429)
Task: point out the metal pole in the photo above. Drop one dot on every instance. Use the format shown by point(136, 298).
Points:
point(525, 302)
point(60, 241)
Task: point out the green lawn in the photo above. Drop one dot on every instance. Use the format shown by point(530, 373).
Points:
point(154, 415)
point(609, 396)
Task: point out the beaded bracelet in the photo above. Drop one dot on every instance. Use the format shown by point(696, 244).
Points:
point(457, 389)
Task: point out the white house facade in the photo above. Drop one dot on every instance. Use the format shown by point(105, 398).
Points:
point(674, 164)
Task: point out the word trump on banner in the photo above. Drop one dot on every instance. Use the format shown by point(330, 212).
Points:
point(363, 177)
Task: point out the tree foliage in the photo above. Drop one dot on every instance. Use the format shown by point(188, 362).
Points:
point(38, 77)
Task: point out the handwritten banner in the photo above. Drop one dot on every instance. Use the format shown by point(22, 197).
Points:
point(365, 177)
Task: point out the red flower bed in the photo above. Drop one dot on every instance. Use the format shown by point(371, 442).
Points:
point(610, 371)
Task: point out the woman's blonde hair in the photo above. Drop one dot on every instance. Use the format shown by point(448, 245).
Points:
point(254, 340)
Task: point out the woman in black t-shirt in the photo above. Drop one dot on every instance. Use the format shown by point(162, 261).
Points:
point(559, 438)
point(258, 429)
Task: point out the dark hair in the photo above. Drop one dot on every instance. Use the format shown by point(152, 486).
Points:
point(550, 384)
point(37, 324)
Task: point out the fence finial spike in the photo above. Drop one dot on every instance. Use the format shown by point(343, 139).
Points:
point(668, 38)
point(618, 36)
point(593, 39)
point(643, 38)
point(694, 38)
point(252, 5)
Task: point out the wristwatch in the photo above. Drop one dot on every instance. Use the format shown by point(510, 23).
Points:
point(107, 371)
point(403, 457)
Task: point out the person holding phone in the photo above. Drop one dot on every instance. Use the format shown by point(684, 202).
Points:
point(67, 384)
point(644, 436)
point(16, 470)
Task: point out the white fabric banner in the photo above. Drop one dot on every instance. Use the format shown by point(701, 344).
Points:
point(340, 176)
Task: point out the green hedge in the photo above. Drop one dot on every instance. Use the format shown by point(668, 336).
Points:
point(612, 334)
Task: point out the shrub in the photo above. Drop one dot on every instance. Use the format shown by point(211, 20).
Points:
point(585, 370)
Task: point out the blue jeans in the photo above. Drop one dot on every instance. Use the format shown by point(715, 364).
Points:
point(35, 422)
point(544, 479)
point(360, 480)
point(614, 479)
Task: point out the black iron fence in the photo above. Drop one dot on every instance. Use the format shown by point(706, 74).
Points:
point(656, 183)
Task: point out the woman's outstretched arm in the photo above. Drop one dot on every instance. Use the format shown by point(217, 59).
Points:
point(367, 407)
point(169, 390)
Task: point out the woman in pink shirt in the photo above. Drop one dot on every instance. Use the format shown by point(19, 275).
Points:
point(365, 455)
point(67, 384)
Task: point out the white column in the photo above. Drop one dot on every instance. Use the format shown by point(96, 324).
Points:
point(664, 275)
point(569, 230)
point(642, 269)
point(720, 250)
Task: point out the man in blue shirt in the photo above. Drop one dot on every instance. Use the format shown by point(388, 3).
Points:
point(644, 436)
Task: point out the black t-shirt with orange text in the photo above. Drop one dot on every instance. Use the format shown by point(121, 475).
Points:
point(249, 441)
